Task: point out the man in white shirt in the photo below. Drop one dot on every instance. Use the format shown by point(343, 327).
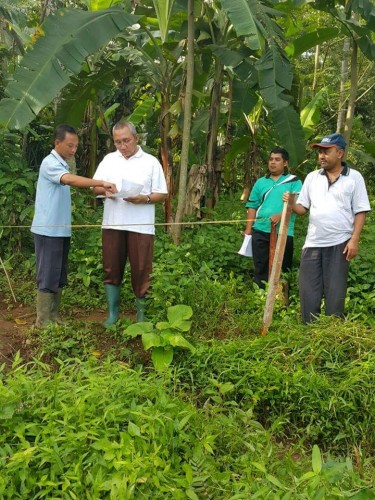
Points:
point(337, 199)
point(128, 221)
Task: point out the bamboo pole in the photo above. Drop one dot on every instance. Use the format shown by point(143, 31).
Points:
point(278, 260)
point(7, 277)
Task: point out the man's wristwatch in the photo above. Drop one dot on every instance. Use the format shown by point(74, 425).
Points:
point(148, 200)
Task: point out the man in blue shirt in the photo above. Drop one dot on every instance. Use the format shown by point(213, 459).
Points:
point(52, 222)
point(265, 205)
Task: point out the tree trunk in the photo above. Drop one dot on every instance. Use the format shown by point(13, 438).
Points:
point(166, 162)
point(176, 230)
point(213, 127)
point(343, 81)
point(316, 68)
point(93, 141)
point(353, 91)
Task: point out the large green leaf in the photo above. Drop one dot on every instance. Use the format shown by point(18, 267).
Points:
point(366, 9)
point(179, 312)
point(244, 98)
point(151, 339)
point(310, 115)
point(310, 40)
point(275, 75)
point(163, 9)
point(176, 340)
point(69, 37)
point(142, 111)
point(139, 329)
point(244, 21)
point(288, 127)
point(162, 357)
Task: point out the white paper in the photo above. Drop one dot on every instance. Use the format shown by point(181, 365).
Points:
point(246, 249)
point(128, 189)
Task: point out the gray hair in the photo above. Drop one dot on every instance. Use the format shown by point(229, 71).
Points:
point(122, 124)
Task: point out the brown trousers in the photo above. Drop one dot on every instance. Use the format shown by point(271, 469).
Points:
point(118, 246)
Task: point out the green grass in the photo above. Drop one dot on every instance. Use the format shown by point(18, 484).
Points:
point(289, 415)
point(93, 431)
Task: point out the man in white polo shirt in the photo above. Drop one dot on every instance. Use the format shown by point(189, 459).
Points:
point(128, 221)
point(337, 199)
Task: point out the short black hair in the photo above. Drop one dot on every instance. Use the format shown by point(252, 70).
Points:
point(280, 151)
point(62, 130)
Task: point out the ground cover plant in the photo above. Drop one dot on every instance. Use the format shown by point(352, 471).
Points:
point(90, 430)
point(290, 415)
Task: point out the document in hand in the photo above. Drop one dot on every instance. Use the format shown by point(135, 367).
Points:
point(128, 189)
point(246, 249)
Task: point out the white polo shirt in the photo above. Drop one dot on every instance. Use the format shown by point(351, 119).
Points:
point(332, 206)
point(141, 168)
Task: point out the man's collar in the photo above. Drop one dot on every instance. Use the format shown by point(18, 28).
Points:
point(345, 169)
point(138, 153)
point(268, 176)
point(58, 157)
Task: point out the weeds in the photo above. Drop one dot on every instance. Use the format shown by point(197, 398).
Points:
point(107, 431)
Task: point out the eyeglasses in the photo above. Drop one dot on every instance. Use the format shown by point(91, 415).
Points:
point(124, 141)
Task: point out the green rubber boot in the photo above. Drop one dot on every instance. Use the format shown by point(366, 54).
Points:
point(55, 315)
point(141, 303)
point(113, 299)
point(44, 302)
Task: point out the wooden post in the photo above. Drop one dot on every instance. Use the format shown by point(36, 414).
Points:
point(273, 239)
point(277, 263)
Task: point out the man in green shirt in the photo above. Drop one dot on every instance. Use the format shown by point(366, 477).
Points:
point(264, 206)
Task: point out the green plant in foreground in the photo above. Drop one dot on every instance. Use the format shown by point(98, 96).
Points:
point(165, 335)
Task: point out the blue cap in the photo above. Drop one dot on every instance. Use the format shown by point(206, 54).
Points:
point(331, 140)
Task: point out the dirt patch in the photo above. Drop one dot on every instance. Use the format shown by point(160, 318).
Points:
point(16, 333)
point(15, 322)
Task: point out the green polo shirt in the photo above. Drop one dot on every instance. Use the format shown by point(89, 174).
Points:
point(271, 203)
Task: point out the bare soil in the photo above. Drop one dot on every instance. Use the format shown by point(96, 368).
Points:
point(16, 327)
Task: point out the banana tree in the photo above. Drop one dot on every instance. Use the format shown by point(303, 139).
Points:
point(66, 40)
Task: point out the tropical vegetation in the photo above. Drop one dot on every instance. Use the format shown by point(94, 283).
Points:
point(194, 403)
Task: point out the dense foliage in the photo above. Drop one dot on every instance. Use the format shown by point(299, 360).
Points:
point(290, 415)
point(233, 415)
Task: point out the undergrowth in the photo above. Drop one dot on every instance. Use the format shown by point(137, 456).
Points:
point(93, 431)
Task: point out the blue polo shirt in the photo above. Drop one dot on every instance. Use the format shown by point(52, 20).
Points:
point(53, 203)
point(271, 203)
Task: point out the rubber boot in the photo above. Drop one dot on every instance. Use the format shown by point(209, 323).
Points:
point(44, 302)
point(113, 299)
point(141, 304)
point(55, 316)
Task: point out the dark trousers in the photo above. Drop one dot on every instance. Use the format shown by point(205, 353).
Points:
point(261, 253)
point(118, 246)
point(323, 273)
point(51, 253)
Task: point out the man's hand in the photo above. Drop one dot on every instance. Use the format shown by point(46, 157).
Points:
point(275, 219)
point(286, 196)
point(109, 188)
point(351, 249)
point(138, 199)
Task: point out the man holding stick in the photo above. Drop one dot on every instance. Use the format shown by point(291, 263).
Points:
point(337, 199)
point(265, 205)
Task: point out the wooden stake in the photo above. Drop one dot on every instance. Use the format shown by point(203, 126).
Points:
point(9, 283)
point(273, 239)
point(277, 263)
